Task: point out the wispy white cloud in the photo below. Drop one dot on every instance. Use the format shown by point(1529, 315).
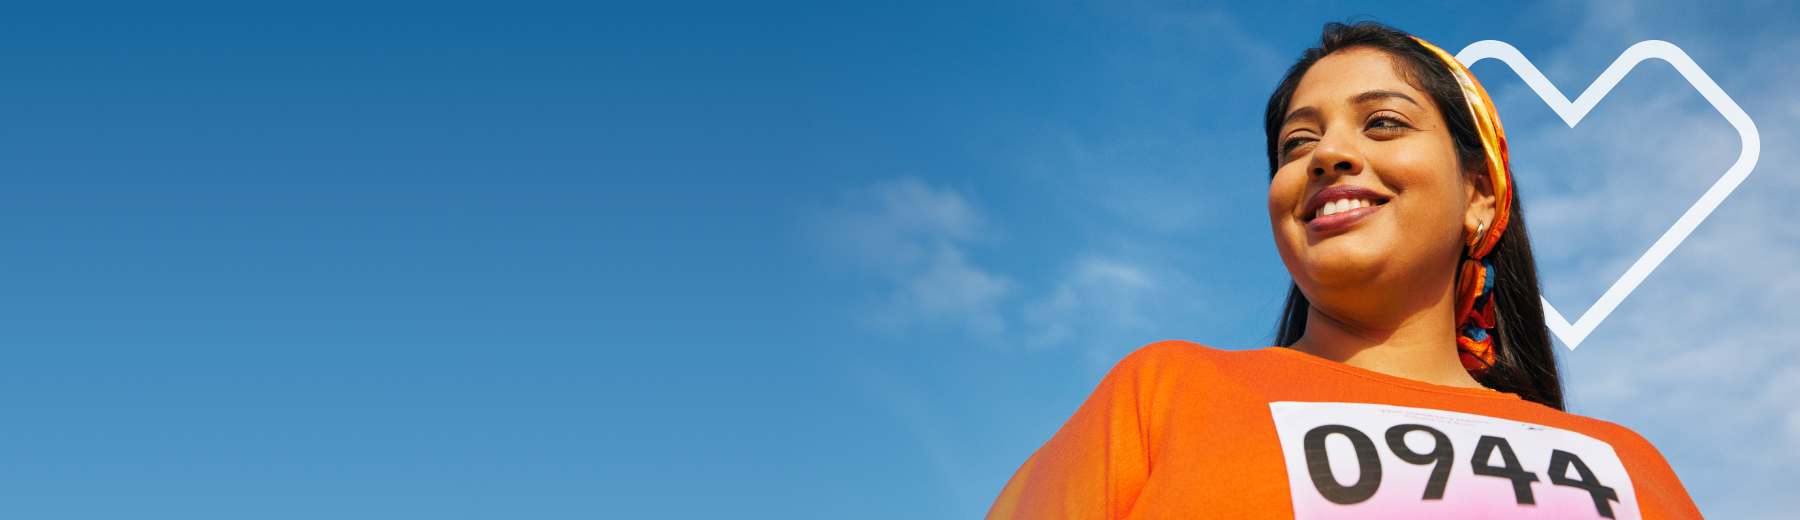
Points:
point(912, 239)
point(1096, 290)
point(907, 246)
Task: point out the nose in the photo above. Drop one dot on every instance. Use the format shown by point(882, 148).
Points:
point(1335, 155)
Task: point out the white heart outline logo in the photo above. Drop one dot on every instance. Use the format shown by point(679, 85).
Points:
point(1573, 112)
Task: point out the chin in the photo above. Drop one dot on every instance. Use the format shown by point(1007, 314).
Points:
point(1350, 268)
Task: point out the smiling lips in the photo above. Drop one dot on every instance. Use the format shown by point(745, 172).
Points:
point(1338, 207)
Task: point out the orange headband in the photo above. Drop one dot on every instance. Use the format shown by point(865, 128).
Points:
point(1475, 302)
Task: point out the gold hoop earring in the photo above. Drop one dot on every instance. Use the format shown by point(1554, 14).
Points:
point(1480, 229)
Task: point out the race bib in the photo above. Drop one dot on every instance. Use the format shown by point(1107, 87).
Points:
point(1351, 460)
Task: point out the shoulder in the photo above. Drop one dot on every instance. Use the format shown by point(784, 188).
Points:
point(1174, 352)
point(1187, 356)
point(1657, 486)
point(1631, 446)
point(1612, 433)
point(1165, 357)
point(1183, 363)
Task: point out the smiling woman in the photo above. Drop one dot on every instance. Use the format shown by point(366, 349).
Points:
point(1384, 274)
point(1441, 157)
point(1413, 375)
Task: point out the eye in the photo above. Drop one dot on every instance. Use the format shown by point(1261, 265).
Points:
point(1293, 145)
point(1385, 126)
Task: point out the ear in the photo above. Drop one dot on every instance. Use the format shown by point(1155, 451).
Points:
point(1480, 189)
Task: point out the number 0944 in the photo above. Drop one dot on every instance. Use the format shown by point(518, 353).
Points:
point(1442, 457)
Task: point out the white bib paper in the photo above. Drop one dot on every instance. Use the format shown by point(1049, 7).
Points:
point(1352, 460)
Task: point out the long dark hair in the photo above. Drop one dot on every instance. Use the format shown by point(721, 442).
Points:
point(1525, 358)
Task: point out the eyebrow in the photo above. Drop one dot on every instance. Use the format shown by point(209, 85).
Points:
point(1379, 95)
point(1302, 112)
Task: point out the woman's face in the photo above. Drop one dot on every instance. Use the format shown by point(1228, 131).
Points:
point(1370, 205)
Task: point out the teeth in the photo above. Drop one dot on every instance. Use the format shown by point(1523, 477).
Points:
point(1340, 206)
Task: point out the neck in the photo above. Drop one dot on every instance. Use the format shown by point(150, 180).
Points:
point(1421, 347)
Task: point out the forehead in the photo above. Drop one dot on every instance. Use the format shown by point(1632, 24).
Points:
point(1337, 78)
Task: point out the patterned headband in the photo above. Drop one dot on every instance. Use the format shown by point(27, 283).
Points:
point(1475, 286)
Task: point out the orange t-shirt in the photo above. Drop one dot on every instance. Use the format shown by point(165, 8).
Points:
point(1178, 430)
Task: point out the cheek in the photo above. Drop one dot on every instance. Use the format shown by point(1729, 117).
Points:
point(1284, 195)
point(1413, 171)
point(1433, 191)
point(1285, 191)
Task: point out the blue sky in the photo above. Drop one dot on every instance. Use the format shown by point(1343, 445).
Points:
point(784, 261)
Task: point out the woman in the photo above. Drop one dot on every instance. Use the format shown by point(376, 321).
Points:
point(1414, 376)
